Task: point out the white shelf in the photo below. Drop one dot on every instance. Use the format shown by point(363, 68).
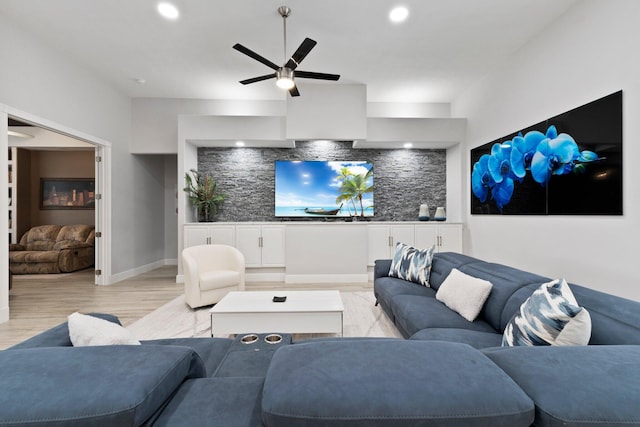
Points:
point(13, 173)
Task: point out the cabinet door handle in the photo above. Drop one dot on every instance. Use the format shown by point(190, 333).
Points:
point(390, 240)
point(260, 241)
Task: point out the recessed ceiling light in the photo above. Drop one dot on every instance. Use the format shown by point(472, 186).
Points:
point(167, 10)
point(239, 143)
point(398, 14)
point(408, 145)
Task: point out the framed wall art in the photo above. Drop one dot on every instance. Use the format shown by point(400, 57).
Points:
point(570, 164)
point(67, 193)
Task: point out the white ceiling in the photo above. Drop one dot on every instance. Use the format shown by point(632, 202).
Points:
point(442, 48)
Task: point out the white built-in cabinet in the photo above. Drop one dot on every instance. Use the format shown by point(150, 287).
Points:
point(382, 239)
point(321, 252)
point(445, 237)
point(209, 235)
point(261, 245)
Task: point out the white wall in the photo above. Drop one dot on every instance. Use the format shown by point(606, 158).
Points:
point(155, 120)
point(170, 208)
point(590, 52)
point(38, 79)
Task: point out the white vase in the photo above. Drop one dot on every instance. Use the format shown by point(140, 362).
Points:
point(440, 214)
point(423, 214)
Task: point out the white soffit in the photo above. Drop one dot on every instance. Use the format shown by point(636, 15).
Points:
point(225, 129)
point(421, 132)
point(394, 145)
point(226, 143)
point(327, 111)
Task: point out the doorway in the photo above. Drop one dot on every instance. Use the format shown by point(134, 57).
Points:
point(102, 150)
point(46, 143)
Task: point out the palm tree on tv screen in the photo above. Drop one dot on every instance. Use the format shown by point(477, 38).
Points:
point(353, 188)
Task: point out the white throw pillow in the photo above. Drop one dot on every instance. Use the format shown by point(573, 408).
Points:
point(550, 316)
point(87, 330)
point(464, 294)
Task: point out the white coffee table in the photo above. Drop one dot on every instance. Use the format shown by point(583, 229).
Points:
point(302, 312)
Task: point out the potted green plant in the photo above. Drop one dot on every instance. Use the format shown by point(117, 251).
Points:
point(203, 195)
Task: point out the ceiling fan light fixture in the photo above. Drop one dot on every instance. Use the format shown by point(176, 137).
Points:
point(284, 74)
point(284, 78)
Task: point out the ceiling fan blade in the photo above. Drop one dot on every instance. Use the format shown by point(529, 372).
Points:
point(255, 56)
point(302, 51)
point(258, 79)
point(318, 76)
point(294, 91)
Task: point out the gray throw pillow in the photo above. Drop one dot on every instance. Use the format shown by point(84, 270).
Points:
point(412, 264)
point(550, 316)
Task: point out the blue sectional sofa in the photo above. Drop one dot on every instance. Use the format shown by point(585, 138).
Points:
point(44, 381)
point(597, 384)
point(450, 372)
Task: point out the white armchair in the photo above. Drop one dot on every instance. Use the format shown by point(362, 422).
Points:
point(210, 271)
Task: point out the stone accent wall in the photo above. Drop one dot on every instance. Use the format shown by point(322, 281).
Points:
point(402, 178)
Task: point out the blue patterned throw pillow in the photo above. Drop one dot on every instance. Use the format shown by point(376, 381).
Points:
point(412, 264)
point(550, 316)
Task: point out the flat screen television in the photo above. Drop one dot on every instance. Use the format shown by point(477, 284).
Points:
point(323, 188)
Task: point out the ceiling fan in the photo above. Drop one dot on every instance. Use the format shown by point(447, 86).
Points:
point(285, 75)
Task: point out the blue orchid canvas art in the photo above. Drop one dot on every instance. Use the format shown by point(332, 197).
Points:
point(569, 164)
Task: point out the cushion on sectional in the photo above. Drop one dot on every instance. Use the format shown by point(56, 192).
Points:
point(381, 268)
point(386, 288)
point(464, 294)
point(97, 386)
point(211, 350)
point(85, 330)
point(413, 313)
point(577, 386)
point(476, 339)
point(411, 264)
point(215, 402)
point(550, 316)
point(614, 320)
point(506, 281)
point(389, 383)
point(442, 264)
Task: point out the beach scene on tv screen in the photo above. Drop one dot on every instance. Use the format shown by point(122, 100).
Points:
point(323, 188)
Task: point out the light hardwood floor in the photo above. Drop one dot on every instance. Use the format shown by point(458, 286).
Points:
point(39, 303)
point(36, 304)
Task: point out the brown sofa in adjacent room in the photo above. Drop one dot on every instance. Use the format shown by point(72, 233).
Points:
point(53, 249)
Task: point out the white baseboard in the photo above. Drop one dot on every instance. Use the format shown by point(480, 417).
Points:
point(299, 278)
point(118, 277)
point(326, 278)
point(264, 277)
point(4, 314)
point(171, 261)
point(250, 277)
